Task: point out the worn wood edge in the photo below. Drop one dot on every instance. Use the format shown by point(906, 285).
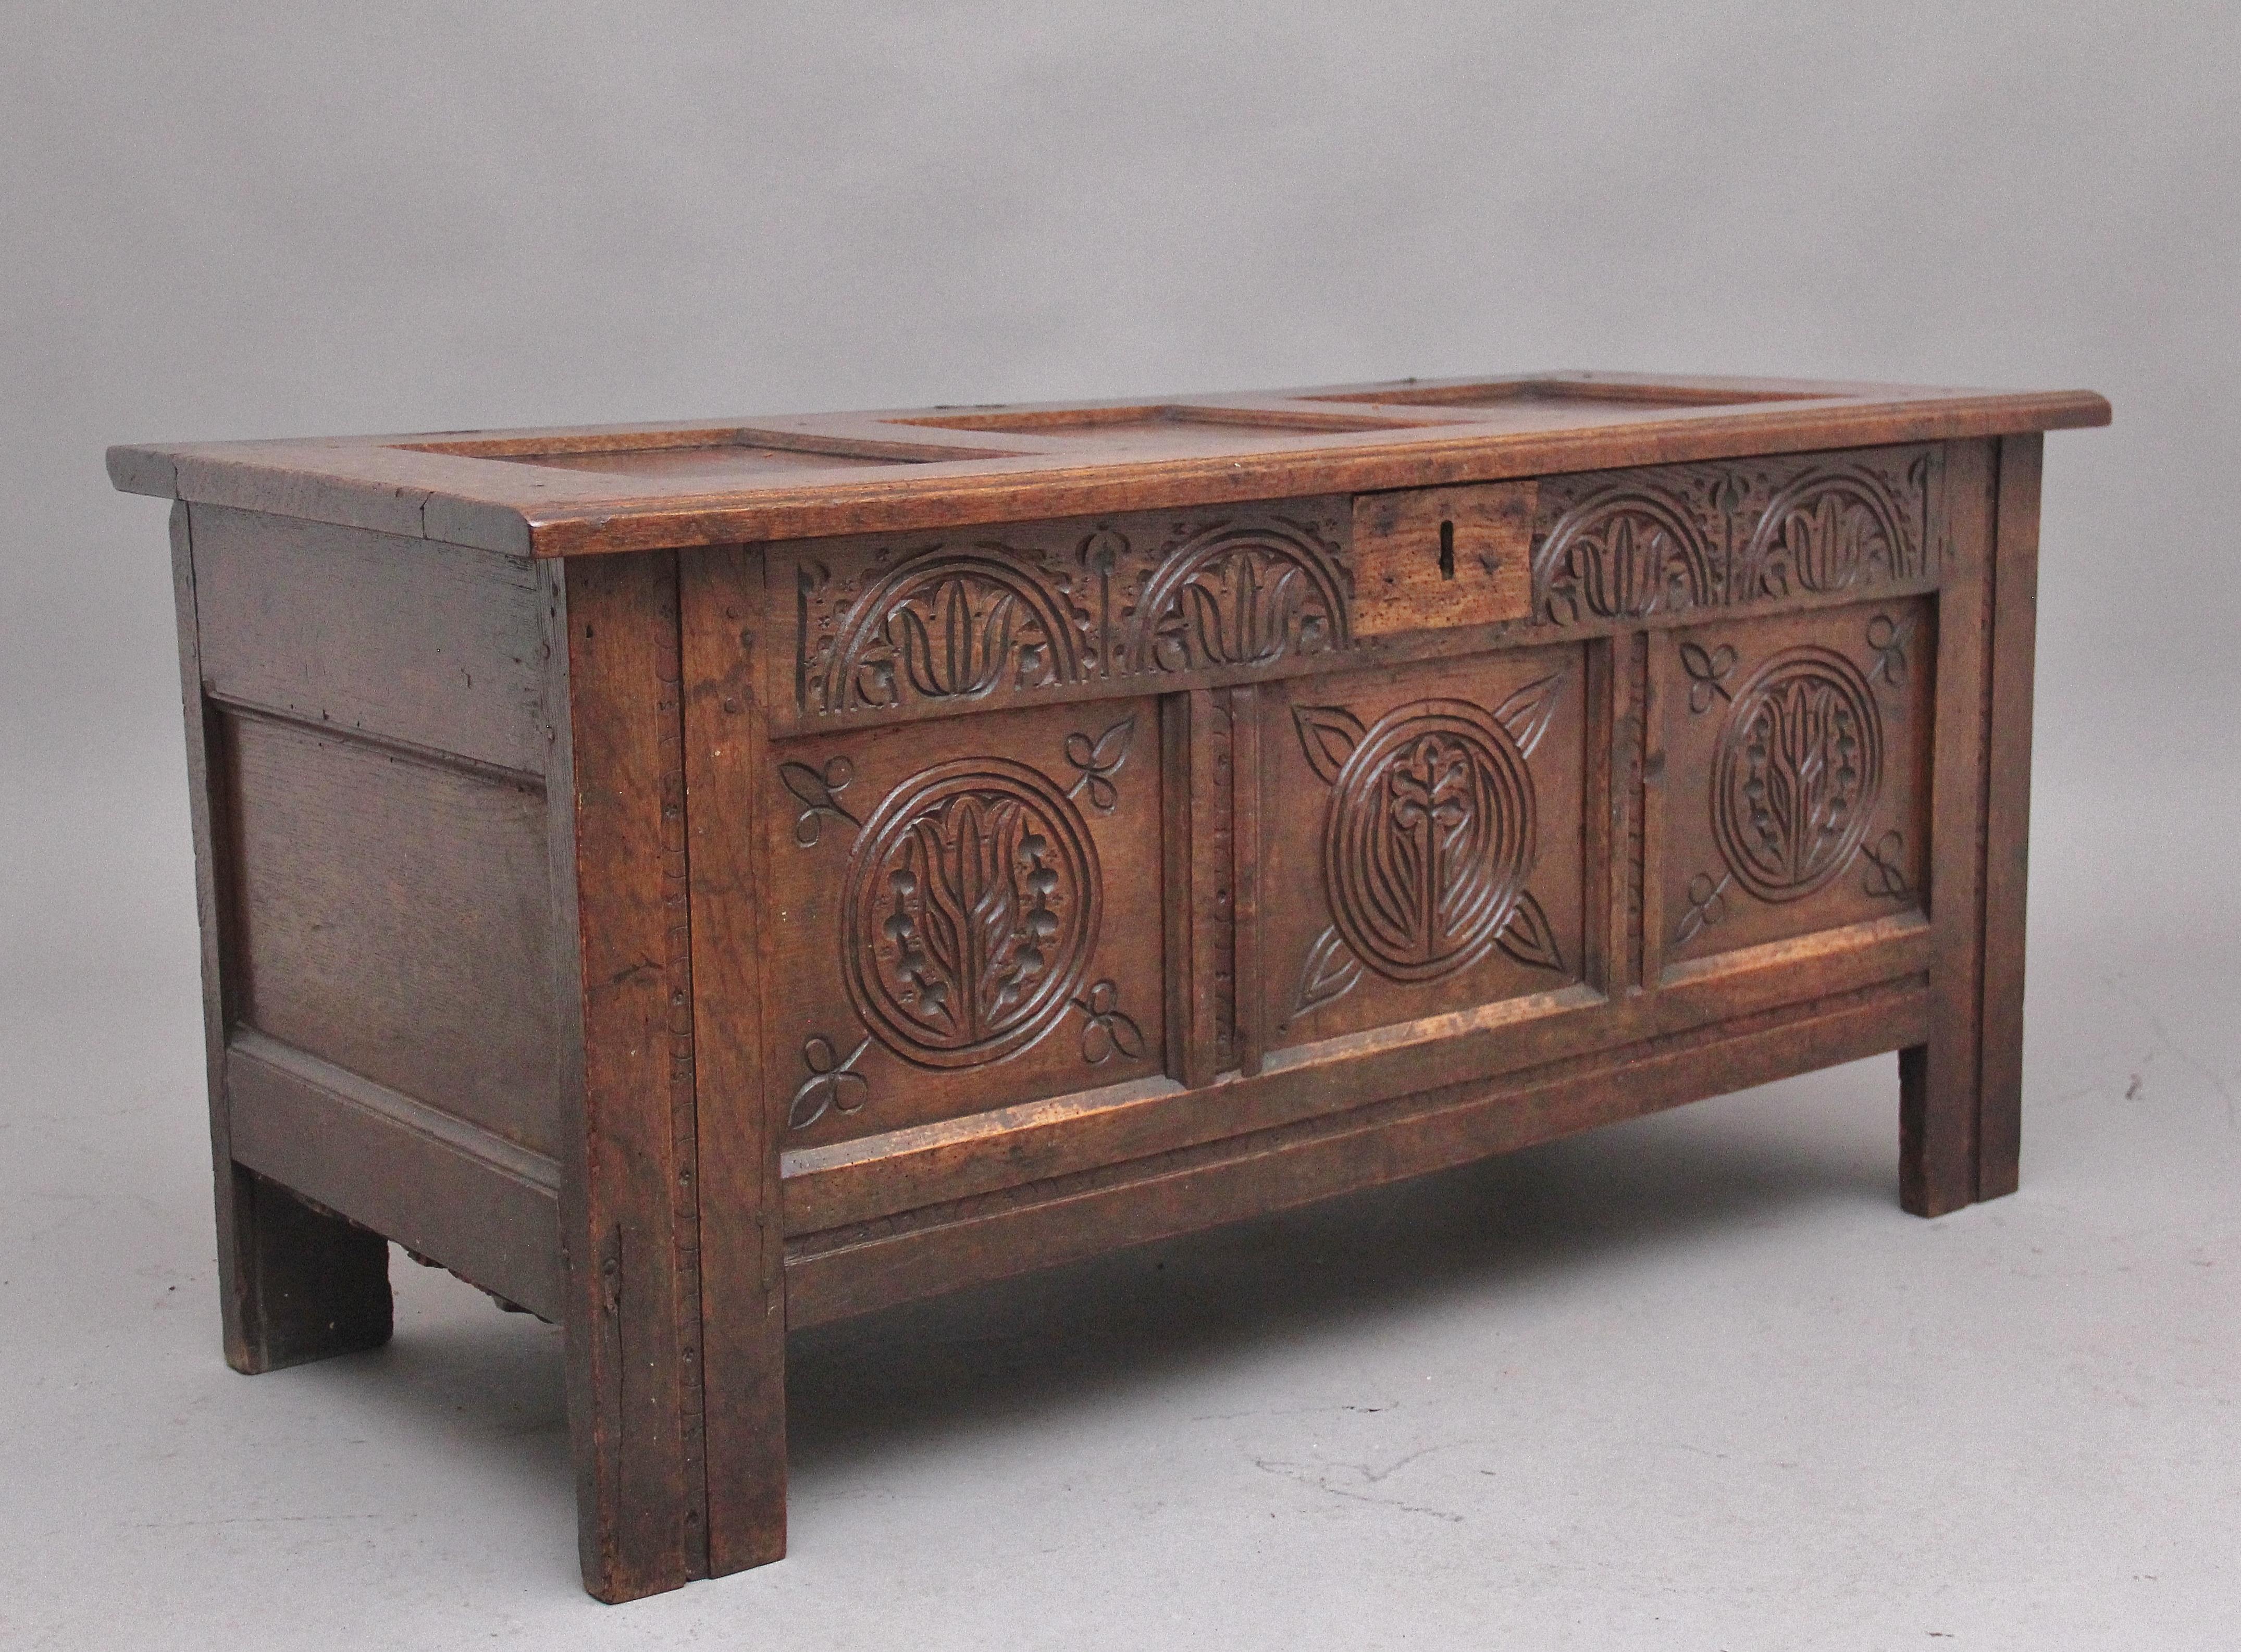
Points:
point(1023, 490)
point(1939, 1089)
point(486, 1208)
point(203, 805)
point(640, 1500)
point(288, 478)
point(873, 1178)
point(2007, 827)
point(151, 471)
point(742, 1244)
point(264, 711)
point(1253, 1176)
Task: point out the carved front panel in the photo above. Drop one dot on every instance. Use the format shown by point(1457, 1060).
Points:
point(1421, 840)
point(968, 914)
point(1681, 538)
point(877, 628)
point(1795, 762)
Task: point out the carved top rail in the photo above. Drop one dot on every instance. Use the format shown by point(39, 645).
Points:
point(877, 628)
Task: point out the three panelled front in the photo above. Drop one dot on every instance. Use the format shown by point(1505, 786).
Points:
point(1072, 813)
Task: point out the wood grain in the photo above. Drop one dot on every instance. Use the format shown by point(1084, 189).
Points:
point(1061, 467)
point(632, 1317)
point(392, 916)
point(295, 1283)
point(1940, 1082)
point(1433, 558)
point(1132, 1203)
point(2007, 819)
point(859, 1181)
point(734, 941)
point(922, 847)
point(429, 646)
point(482, 1206)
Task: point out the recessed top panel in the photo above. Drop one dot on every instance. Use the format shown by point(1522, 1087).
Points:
point(715, 464)
point(702, 459)
point(1547, 403)
point(1170, 428)
point(576, 491)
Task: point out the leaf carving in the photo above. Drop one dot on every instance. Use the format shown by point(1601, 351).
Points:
point(1330, 973)
point(1528, 937)
point(1099, 762)
point(1327, 735)
point(1526, 714)
point(820, 794)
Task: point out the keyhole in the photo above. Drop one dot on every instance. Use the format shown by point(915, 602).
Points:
point(1447, 550)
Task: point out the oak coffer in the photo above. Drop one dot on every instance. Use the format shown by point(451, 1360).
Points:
point(693, 880)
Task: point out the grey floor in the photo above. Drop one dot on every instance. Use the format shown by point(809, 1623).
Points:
point(1692, 1383)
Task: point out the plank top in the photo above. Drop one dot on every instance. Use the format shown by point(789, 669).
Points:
point(624, 487)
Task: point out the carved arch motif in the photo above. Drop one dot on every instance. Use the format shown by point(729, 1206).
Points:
point(1828, 530)
point(1241, 596)
point(950, 625)
point(1622, 553)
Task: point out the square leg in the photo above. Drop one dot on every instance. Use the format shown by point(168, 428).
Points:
point(1961, 1094)
point(296, 1284)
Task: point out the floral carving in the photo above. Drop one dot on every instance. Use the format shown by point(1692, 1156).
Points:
point(1108, 1032)
point(1708, 674)
point(1826, 531)
point(1331, 971)
point(1624, 546)
point(973, 898)
point(1799, 765)
point(1885, 877)
point(1623, 553)
point(949, 626)
point(1708, 905)
point(1098, 761)
point(833, 1085)
point(948, 623)
point(1241, 596)
point(819, 791)
point(1428, 840)
point(1887, 638)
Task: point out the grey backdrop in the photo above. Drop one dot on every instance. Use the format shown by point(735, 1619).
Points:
point(1692, 1383)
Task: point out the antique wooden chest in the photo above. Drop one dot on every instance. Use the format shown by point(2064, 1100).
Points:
point(693, 880)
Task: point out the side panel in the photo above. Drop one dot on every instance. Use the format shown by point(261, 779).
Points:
point(295, 1283)
point(392, 915)
point(368, 729)
point(429, 644)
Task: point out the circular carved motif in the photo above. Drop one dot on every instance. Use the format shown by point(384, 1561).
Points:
point(1428, 839)
point(1800, 763)
point(970, 912)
